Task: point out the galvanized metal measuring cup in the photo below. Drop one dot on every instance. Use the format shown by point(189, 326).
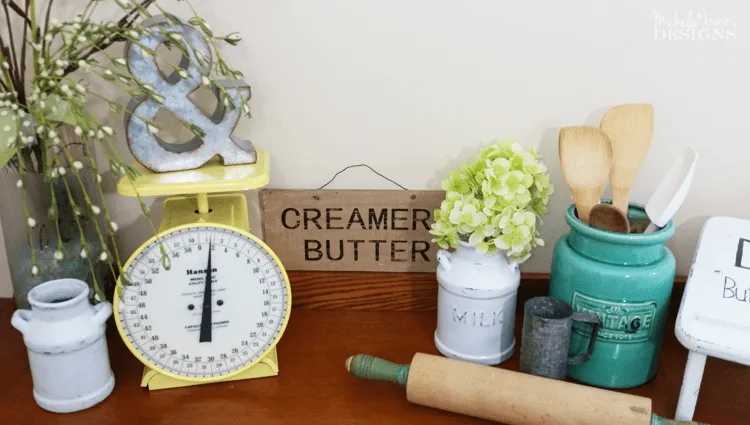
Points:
point(545, 339)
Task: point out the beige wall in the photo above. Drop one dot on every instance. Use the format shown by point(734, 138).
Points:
point(414, 87)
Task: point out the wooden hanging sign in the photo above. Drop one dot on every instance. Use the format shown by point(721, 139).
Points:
point(351, 230)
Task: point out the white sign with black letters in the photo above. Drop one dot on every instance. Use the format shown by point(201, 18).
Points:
point(718, 288)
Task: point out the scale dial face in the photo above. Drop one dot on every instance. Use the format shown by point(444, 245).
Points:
point(173, 325)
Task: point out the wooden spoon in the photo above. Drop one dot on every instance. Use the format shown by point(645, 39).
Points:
point(609, 217)
point(629, 128)
point(586, 159)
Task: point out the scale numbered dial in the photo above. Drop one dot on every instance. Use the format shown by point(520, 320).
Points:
point(217, 309)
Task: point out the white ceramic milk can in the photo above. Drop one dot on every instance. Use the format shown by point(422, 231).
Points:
point(476, 305)
point(67, 348)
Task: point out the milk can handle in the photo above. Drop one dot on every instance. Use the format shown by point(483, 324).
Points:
point(20, 320)
point(514, 267)
point(102, 311)
point(443, 258)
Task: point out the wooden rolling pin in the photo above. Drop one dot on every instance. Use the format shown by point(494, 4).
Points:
point(504, 396)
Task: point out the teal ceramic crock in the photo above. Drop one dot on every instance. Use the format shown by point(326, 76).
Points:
point(626, 278)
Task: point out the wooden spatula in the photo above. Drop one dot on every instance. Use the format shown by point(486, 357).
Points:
point(629, 128)
point(586, 160)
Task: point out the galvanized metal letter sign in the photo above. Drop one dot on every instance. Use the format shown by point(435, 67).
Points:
point(153, 152)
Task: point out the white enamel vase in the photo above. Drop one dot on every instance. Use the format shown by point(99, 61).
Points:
point(65, 340)
point(476, 305)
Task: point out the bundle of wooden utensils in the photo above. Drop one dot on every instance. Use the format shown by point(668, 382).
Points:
point(616, 150)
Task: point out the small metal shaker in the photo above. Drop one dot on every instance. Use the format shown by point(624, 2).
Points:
point(545, 339)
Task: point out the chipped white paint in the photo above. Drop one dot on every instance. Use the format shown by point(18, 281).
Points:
point(66, 344)
point(691, 386)
point(476, 306)
point(714, 316)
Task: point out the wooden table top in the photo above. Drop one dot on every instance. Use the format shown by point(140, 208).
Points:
point(314, 388)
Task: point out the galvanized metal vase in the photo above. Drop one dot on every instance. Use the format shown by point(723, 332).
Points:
point(44, 237)
point(627, 280)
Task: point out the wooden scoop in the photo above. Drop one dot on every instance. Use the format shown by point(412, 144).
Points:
point(586, 159)
point(609, 217)
point(629, 128)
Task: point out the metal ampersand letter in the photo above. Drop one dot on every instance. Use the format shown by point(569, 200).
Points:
point(150, 150)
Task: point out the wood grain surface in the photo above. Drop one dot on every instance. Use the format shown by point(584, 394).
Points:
point(377, 291)
point(313, 386)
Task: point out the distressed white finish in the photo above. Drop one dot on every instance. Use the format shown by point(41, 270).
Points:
point(714, 316)
point(476, 306)
point(691, 386)
point(66, 345)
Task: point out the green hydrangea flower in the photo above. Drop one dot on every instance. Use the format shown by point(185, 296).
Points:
point(458, 182)
point(496, 168)
point(467, 216)
point(496, 202)
point(447, 236)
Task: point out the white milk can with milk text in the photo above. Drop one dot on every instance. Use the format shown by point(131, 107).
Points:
point(476, 305)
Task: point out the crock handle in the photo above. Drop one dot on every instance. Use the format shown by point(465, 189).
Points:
point(102, 311)
point(20, 320)
point(443, 258)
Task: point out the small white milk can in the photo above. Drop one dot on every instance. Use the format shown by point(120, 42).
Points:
point(67, 348)
point(476, 305)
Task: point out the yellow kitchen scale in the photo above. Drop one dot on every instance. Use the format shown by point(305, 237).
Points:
point(215, 307)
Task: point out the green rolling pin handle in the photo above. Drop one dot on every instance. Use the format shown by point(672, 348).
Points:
point(657, 420)
point(374, 368)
